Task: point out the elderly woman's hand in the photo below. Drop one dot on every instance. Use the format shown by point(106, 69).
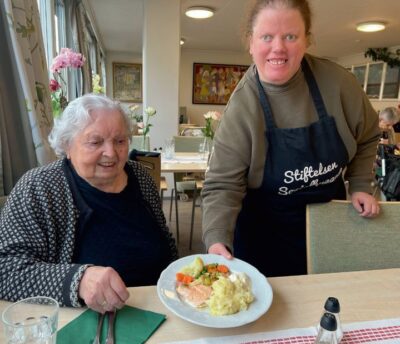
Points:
point(102, 289)
point(365, 204)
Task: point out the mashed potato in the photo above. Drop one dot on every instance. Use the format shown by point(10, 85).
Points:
point(230, 295)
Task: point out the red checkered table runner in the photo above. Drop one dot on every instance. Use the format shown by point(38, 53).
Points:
point(362, 335)
point(385, 331)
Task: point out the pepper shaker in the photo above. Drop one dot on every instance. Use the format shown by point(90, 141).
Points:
point(332, 305)
point(327, 330)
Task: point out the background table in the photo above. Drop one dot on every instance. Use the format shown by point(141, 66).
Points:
point(298, 302)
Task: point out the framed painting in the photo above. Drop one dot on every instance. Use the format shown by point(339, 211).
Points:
point(214, 83)
point(127, 82)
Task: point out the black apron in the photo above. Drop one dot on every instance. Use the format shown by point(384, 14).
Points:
point(303, 165)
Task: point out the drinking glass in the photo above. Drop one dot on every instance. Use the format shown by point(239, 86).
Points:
point(169, 149)
point(33, 320)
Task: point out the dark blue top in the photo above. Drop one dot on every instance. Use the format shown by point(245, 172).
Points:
point(120, 231)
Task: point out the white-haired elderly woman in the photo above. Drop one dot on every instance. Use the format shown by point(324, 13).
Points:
point(84, 228)
point(388, 117)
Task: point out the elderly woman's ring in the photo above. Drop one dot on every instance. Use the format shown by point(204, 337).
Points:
point(104, 303)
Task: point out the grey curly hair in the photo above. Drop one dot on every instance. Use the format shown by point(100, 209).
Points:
point(76, 116)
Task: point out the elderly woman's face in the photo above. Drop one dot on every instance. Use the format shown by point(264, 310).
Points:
point(278, 44)
point(100, 151)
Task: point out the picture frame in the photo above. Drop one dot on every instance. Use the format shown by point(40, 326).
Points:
point(214, 83)
point(127, 82)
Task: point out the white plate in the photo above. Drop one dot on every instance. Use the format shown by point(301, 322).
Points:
point(260, 287)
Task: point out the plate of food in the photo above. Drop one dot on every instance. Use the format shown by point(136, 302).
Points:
point(211, 291)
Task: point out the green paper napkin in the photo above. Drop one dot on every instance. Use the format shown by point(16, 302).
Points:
point(132, 326)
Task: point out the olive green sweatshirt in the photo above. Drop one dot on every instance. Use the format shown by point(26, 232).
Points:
point(240, 147)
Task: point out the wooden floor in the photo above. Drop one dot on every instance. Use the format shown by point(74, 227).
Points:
point(185, 212)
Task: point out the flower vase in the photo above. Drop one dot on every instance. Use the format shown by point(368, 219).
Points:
point(207, 147)
point(145, 143)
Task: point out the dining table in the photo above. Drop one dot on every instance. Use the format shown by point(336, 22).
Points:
point(183, 162)
point(297, 303)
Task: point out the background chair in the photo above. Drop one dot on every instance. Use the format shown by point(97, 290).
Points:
point(188, 144)
point(152, 162)
point(2, 201)
point(185, 182)
point(338, 239)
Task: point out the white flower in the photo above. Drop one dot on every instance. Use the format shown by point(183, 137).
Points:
point(214, 115)
point(150, 111)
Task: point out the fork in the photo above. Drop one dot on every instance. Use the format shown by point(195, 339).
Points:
point(110, 333)
point(99, 326)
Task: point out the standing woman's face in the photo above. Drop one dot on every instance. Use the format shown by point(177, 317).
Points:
point(278, 44)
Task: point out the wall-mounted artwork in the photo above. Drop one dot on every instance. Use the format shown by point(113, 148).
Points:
point(127, 82)
point(214, 83)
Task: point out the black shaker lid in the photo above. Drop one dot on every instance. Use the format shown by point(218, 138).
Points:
point(332, 305)
point(328, 322)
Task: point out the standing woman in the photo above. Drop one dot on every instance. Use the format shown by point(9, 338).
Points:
point(293, 125)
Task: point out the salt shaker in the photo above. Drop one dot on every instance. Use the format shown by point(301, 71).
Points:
point(332, 305)
point(327, 330)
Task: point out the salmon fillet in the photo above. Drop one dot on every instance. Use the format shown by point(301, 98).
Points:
point(195, 295)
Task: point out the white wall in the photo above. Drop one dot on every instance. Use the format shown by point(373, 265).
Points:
point(195, 112)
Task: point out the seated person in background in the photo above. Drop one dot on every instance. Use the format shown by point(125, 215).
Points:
point(387, 119)
point(84, 228)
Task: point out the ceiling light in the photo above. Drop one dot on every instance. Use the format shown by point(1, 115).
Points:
point(371, 26)
point(199, 12)
point(182, 41)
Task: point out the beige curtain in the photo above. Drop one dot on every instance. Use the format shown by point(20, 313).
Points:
point(28, 53)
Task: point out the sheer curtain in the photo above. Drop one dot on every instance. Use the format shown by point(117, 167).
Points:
point(25, 110)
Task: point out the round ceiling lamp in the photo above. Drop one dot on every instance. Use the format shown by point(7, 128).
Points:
point(372, 26)
point(199, 12)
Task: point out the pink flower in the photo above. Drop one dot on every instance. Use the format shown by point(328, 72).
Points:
point(67, 58)
point(54, 85)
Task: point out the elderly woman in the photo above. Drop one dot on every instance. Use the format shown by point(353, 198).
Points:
point(85, 227)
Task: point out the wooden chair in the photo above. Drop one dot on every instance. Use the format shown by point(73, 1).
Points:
point(339, 239)
point(152, 162)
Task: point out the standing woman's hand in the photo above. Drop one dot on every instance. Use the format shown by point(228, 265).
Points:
point(102, 289)
point(220, 249)
point(365, 204)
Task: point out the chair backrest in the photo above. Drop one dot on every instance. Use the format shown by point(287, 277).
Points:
point(188, 144)
point(150, 160)
point(339, 239)
point(3, 200)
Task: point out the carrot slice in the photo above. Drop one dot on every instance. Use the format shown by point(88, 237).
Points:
point(179, 276)
point(222, 268)
point(187, 279)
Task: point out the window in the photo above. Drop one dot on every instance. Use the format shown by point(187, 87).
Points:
point(392, 83)
point(359, 72)
point(374, 80)
point(378, 80)
point(46, 23)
